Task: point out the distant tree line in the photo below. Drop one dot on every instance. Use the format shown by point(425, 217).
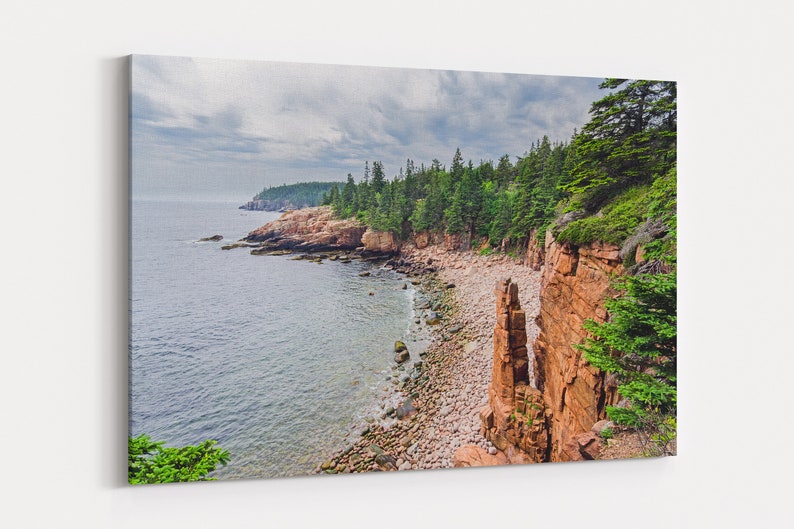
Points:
point(304, 194)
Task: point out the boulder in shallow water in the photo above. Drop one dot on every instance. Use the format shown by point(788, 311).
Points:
point(432, 318)
point(399, 346)
point(402, 356)
point(212, 238)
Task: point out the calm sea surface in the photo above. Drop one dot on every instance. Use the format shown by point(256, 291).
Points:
point(280, 361)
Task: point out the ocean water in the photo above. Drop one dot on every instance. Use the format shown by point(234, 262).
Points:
point(280, 361)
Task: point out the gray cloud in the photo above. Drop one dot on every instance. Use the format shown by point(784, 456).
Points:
point(232, 127)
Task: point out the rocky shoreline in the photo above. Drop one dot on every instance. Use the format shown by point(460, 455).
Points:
point(431, 407)
point(440, 403)
point(441, 396)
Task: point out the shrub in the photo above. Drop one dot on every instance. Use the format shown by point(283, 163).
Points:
point(151, 462)
point(638, 344)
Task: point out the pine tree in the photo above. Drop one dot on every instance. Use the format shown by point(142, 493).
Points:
point(453, 215)
point(347, 198)
point(471, 193)
point(378, 177)
point(333, 197)
point(629, 140)
point(456, 170)
point(504, 171)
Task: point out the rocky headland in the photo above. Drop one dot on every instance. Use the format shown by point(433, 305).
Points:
point(317, 230)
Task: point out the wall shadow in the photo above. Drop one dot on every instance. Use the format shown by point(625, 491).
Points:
point(115, 236)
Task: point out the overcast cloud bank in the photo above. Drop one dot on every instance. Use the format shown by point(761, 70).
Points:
point(221, 128)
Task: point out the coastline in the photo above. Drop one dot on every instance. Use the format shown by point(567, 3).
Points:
point(440, 402)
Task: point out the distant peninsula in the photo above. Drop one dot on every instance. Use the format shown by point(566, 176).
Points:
point(290, 196)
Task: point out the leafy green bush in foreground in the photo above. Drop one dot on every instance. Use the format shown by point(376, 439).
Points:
point(638, 344)
point(151, 462)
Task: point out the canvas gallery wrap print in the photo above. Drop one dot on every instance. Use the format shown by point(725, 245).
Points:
point(344, 269)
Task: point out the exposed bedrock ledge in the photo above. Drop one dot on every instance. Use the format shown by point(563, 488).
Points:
point(310, 230)
point(317, 230)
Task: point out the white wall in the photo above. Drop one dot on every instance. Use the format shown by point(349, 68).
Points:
point(63, 165)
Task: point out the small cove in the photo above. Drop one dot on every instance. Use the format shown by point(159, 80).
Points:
point(280, 361)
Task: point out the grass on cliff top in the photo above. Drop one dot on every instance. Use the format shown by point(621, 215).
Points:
point(614, 223)
point(624, 214)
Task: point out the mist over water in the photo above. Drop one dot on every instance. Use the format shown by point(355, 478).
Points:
point(278, 360)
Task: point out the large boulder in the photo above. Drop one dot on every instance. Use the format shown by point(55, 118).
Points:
point(384, 242)
point(475, 456)
point(402, 356)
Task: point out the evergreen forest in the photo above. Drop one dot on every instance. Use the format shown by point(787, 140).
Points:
point(613, 181)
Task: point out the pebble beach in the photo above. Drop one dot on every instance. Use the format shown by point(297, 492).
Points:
point(433, 407)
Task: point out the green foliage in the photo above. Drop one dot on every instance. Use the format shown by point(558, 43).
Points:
point(420, 218)
point(607, 433)
point(662, 207)
point(151, 462)
point(630, 139)
point(378, 177)
point(486, 251)
point(638, 344)
point(618, 174)
point(538, 191)
point(453, 215)
point(502, 208)
point(614, 224)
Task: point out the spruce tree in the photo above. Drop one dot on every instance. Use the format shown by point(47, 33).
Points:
point(629, 140)
point(638, 345)
point(378, 177)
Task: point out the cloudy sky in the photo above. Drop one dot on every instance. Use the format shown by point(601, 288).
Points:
point(226, 129)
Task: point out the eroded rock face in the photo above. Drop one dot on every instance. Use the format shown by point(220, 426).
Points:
point(550, 418)
point(380, 242)
point(310, 229)
point(536, 255)
point(515, 416)
point(574, 285)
